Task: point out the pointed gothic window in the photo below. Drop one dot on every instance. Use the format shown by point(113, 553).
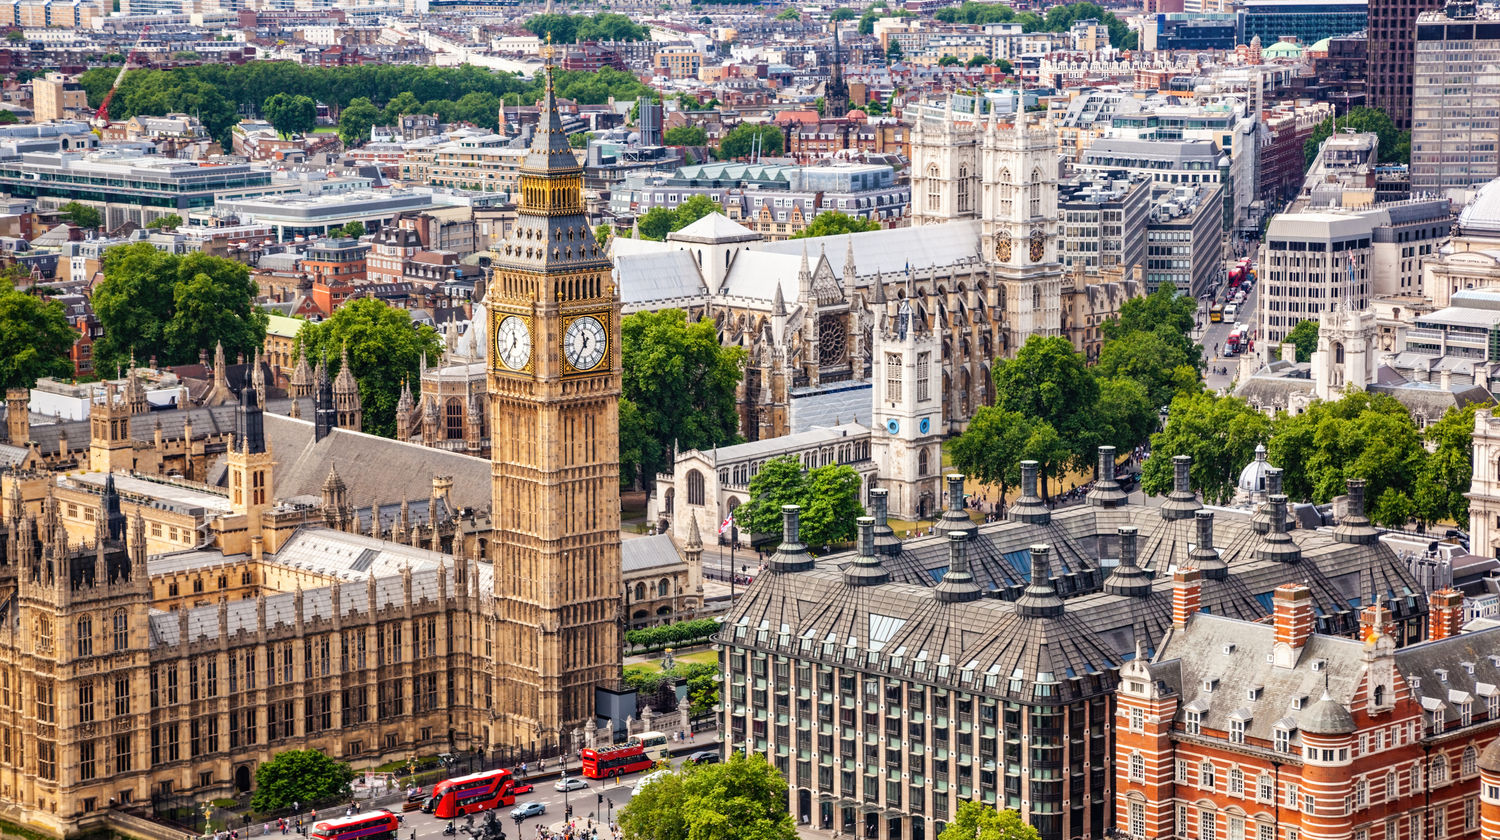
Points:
point(934, 189)
point(964, 199)
point(1035, 190)
point(1007, 194)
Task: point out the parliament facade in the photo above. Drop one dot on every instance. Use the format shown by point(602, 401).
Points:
point(162, 635)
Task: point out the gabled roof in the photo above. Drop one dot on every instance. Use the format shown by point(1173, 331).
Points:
point(715, 227)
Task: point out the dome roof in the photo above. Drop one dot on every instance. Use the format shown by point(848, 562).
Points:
point(857, 114)
point(1253, 476)
point(1489, 760)
point(1326, 717)
point(1483, 213)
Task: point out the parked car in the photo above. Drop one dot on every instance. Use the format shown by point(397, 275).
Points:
point(528, 809)
point(573, 783)
point(703, 757)
point(524, 787)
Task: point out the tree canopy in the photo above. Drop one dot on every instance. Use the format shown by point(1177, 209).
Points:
point(1394, 144)
point(828, 496)
point(217, 92)
point(657, 222)
point(356, 121)
point(686, 135)
point(1304, 337)
point(678, 390)
point(34, 338)
point(975, 820)
point(291, 113)
point(299, 776)
point(743, 798)
point(82, 215)
point(385, 350)
point(740, 140)
point(156, 304)
point(570, 29)
point(1047, 380)
point(993, 446)
point(831, 222)
point(1057, 19)
point(1220, 433)
point(171, 221)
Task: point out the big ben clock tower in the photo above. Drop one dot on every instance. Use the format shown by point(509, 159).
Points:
point(554, 386)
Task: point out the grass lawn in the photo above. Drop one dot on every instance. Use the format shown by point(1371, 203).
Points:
point(702, 657)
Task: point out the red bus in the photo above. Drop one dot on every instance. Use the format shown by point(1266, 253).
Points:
point(603, 764)
point(370, 825)
point(471, 794)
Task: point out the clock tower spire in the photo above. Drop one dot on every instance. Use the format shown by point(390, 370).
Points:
point(554, 385)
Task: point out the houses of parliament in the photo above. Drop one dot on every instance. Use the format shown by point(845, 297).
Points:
point(291, 583)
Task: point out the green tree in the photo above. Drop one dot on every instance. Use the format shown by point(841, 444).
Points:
point(893, 51)
point(975, 820)
point(1220, 433)
point(402, 104)
point(831, 505)
point(299, 776)
point(603, 232)
point(385, 350)
point(781, 481)
point(682, 382)
point(842, 14)
point(656, 223)
point(580, 139)
point(291, 113)
point(81, 215)
point(34, 338)
point(1394, 144)
point(153, 303)
point(171, 221)
point(1450, 468)
point(789, 14)
point(739, 141)
point(742, 799)
point(1165, 312)
point(1361, 435)
point(1005, 66)
point(353, 230)
point(1305, 337)
point(831, 222)
point(977, 60)
point(1047, 380)
point(692, 210)
point(356, 120)
point(948, 61)
point(1124, 415)
point(15, 36)
point(686, 135)
point(993, 446)
point(1148, 358)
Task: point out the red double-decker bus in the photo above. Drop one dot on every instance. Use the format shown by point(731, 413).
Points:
point(370, 825)
point(471, 794)
point(604, 764)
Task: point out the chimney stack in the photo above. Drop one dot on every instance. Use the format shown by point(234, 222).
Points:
point(1028, 507)
point(1182, 501)
point(1278, 546)
point(1375, 620)
point(1205, 558)
point(791, 555)
point(1294, 622)
point(886, 541)
point(957, 584)
point(1106, 492)
point(956, 518)
point(1355, 526)
point(1187, 595)
point(1128, 578)
point(1445, 614)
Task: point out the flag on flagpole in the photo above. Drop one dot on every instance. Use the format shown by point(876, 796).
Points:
point(727, 523)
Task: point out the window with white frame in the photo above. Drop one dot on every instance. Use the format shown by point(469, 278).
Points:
point(1361, 793)
point(1137, 767)
point(1206, 776)
point(1208, 825)
point(1137, 719)
point(1236, 781)
point(1236, 732)
point(1182, 770)
point(1282, 738)
point(1137, 827)
point(1265, 789)
point(1292, 798)
point(1194, 723)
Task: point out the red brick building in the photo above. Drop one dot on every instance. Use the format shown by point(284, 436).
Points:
point(336, 267)
point(1240, 730)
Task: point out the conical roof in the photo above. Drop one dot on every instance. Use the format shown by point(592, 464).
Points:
point(550, 151)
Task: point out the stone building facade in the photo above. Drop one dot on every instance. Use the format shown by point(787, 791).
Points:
point(892, 683)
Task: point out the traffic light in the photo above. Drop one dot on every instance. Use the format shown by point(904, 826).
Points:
point(599, 797)
point(568, 813)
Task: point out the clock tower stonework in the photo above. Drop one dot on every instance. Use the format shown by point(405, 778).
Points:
point(554, 387)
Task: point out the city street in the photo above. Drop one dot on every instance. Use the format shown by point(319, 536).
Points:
point(1212, 338)
point(587, 805)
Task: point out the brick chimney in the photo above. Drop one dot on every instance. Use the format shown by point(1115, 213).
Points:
point(1187, 593)
point(1375, 620)
point(1445, 613)
point(1294, 622)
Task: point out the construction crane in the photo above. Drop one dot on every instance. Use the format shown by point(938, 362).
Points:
point(101, 116)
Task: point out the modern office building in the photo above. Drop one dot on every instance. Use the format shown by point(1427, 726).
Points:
point(126, 186)
point(56, 97)
point(1104, 220)
point(1184, 236)
point(1174, 31)
point(892, 683)
point(1455, 116)
point(1309, 21)
point(317, 215)
point(1388, 73)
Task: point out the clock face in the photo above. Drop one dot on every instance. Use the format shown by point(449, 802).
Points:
point(513, 343)
point(1002, 248)
point(585, 342)
point(1038, 245)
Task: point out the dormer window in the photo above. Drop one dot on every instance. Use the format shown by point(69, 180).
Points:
point(1299, 701)
point(1254, 693)
point(1194, 723)
point(1441, 674)
point(1416, 683)
point(1469, 668)
point(1210, 685)
point(1236, 732)
point(1283, 739)
point(1318, 664)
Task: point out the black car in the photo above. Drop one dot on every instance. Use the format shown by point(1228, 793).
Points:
point(703, 757)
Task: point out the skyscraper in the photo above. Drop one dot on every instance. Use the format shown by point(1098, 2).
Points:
point(1389, 55)
point(554, 388)
point(1455, 128)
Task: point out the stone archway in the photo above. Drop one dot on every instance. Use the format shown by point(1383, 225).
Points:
point(242, 778)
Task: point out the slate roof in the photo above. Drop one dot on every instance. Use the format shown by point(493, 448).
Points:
point(643, 553)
